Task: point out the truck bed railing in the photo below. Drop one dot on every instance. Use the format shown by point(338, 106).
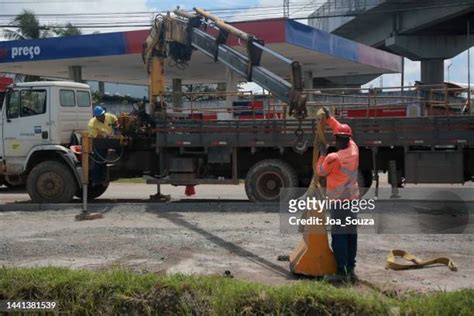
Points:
point(416, 131)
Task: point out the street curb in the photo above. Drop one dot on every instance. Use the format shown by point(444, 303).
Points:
point(152, 207)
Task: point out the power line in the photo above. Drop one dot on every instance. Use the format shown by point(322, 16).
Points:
point(79, 18)
point(375, 12)
point(214, 10)
point(286, 8)
point(260, 12)
point(344, 5)
point(275, 8)
point(308, 4)
point(45, 2)
point(226, 13)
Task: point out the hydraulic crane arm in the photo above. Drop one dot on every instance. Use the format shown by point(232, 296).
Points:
point(176, 36)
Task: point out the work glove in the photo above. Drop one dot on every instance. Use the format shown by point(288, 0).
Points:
point(323, 150)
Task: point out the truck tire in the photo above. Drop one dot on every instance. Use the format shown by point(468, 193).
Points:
point(94, 192)
point(265, 179)
point(51, 182)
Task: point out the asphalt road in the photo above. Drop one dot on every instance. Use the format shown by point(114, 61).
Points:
point(137, 192)
point(141, 192)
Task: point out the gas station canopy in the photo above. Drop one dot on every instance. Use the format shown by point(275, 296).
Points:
point(116, 57)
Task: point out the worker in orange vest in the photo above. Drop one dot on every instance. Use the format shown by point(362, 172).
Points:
point(340, 169)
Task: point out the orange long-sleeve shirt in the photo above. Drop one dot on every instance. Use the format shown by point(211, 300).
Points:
point(341, 169)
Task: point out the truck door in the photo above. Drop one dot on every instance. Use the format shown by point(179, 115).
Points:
point(26, 122)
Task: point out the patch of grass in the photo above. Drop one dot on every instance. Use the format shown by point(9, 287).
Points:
point(442, 303)
point(122, 292)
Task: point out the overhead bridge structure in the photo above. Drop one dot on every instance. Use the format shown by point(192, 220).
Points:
point(427, 31)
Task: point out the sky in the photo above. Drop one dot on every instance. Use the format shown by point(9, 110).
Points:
point(457, 72)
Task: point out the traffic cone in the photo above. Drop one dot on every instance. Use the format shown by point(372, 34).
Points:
point(189, 190)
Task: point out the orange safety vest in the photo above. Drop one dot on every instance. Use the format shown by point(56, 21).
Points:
point(340, 169)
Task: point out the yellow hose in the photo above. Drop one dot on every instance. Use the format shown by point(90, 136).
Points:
point(417, 263)
point(319, 139)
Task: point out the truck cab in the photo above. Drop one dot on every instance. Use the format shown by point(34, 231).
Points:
point(37, 121)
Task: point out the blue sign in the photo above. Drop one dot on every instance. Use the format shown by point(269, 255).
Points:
point(63, 47)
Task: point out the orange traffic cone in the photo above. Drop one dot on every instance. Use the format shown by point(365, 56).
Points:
point(189, 190)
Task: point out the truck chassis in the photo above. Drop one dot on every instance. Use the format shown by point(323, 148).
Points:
point(188, 152)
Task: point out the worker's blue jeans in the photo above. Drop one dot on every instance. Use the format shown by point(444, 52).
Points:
point(99, 166)
point(344, 242)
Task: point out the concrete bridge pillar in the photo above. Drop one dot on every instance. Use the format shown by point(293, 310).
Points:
point(432, 71)
point(231, 86)
point(75, 73)
point(102, 87)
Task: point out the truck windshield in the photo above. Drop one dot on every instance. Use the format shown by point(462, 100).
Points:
point(26, 103)
point(33, 102)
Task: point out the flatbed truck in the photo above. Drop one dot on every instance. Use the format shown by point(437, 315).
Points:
point(40, 122)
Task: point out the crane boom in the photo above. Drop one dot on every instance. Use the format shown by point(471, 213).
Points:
point(176, 36)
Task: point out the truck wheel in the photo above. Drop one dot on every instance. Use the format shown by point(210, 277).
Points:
point(265, 179)
point(51, 182)
point(94, 192)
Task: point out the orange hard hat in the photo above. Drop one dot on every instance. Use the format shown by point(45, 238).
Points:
point(343, 130)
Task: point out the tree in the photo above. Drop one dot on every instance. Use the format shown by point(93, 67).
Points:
point(97, 97)
point(205, 92)
point(68, 30)
point(27, 27)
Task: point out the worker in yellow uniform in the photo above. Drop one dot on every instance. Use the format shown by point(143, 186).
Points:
point(100, 126)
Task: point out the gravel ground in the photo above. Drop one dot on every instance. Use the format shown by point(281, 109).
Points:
point(197, 240)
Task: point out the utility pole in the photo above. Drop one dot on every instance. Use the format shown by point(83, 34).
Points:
point(286, 8)
point(402, 83)
point(449, 67)
point(469, 65)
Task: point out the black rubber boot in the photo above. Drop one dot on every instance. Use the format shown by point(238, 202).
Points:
point(352, 276)
point(338, 278)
